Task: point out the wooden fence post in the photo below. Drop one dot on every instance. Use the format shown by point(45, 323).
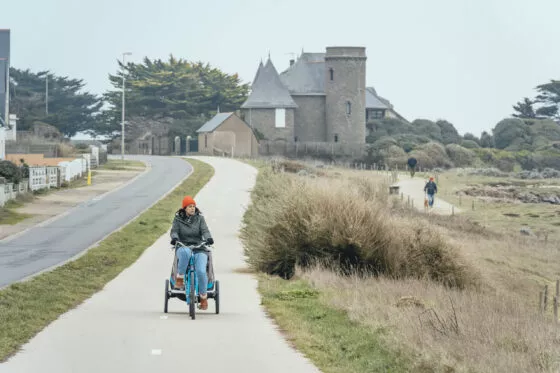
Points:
point(541, 296)
point(556, 309)
point(545, 297)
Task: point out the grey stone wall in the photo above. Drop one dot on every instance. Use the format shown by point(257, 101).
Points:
point(310, 121)
point(263, 120)
point(349, 85)
point(328, 150)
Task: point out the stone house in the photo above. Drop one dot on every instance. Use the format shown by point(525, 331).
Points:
point(228, 133)
point(321, 97)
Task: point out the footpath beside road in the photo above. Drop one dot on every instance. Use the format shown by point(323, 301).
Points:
point(123, 328)
point(414, 188)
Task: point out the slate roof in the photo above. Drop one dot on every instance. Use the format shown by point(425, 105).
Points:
point(267, 91)
point(373, 101)
point(261, 66)
point(307, 75)
point(214, 123)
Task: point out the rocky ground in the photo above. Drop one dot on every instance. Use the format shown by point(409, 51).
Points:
point(514, 194)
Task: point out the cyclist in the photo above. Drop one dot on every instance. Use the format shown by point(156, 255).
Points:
point(189, 227)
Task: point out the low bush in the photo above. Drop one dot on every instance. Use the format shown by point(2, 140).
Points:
point(432, 155)
point(469, 144)
point(10, 172)
point(346, 223)
point(460, 156)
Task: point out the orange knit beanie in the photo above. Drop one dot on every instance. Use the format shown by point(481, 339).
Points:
point(187, 201)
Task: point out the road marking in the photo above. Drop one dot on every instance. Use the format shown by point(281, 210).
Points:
point(156, 352)
point(163, 317)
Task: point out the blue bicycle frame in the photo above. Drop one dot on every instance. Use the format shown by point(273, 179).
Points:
point(191, 269)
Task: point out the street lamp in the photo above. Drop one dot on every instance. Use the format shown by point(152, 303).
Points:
point(122, 124)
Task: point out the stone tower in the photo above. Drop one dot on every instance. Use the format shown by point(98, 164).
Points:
point(345, 88)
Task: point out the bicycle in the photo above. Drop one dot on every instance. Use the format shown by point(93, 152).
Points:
point(190, 293)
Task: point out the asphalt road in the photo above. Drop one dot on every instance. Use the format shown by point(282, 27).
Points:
point(60, 240)
point(123, 328)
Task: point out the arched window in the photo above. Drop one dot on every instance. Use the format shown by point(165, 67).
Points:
point(331, 73)
point(348, 108)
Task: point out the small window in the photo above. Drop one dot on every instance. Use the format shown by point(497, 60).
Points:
point(336, 138)
point(295, 139)
point(376, 114)
point(331, 72)
point(280, 118)
point(205, 141)
point(348, 108)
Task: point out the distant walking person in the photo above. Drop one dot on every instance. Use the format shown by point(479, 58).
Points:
point(430, 189)
point(412, 165)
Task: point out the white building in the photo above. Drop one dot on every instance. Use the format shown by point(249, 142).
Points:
point(7, 133)
point(2, 143)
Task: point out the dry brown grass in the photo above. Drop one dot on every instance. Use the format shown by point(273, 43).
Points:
point(348, 221)
point(66, 150)
point(446, 329)
point(494, 326)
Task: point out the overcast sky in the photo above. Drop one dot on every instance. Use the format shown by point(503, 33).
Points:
point(467, 61)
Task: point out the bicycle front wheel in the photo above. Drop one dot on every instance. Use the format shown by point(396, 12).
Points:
point(192, 296)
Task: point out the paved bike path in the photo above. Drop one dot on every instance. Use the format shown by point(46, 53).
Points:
point(123, 328)
point(414, 188)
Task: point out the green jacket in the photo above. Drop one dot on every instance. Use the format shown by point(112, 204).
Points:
point(190, 230)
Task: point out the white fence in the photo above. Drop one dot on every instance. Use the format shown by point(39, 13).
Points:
point(38, 178)
point(46, 177)
point(71, 170)
point(94, 156)
point(10, 191)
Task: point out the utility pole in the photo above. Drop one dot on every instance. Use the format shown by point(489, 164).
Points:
point(123, 108)
point(47, 94)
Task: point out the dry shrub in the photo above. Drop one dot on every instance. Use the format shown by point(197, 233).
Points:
point(432, 155)
point(446, 330)
point(299, 221)
point(65, 150)
point(292, 166)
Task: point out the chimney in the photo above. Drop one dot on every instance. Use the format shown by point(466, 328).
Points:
point(292, 62)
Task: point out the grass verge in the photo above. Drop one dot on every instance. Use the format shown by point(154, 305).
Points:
point(117, 164)
point(28, 307)
point(388, 323)
point(10, 217)
point(326, 335)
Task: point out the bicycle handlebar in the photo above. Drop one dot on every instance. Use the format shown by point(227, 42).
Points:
point(202, 244)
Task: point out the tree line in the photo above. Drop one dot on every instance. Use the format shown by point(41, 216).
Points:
point(176, 90)
point(184, 94)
